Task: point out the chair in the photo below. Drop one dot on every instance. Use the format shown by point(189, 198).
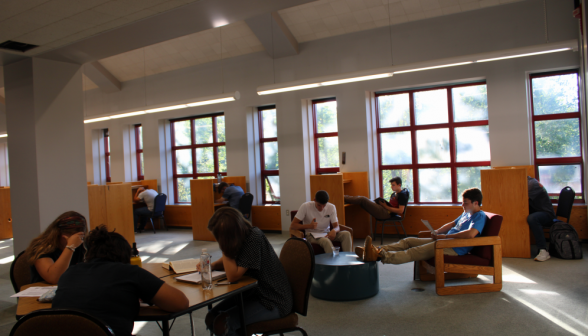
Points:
point(485, 258)
point(245, 204)
point(316, 247)
point(60, 322)
point(158, 210)
point(565, 203)
point(394, 222)
point(298, 261)
point(20, 272)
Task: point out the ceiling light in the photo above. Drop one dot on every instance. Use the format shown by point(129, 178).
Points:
point(433, 67)
point(124, 115)
point(3, 135)
point(167, 108)
point(291, 88)
point(523, 55)
point(87, 121)
point(356, 79)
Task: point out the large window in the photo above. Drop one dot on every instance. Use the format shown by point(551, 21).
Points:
point(107, 155)
point(139, 152)
point(268, 148)
point(435, 139)
point(556, 132)
point(198, 152)
point(326, 136)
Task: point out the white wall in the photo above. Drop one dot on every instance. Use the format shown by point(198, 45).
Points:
point(498, 28)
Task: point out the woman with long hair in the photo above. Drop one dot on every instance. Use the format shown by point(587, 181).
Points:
point(108, 287)
point(246, 251)
point(57, 248)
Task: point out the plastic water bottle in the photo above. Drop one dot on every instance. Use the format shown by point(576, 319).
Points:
point(135, 259)
point(206, 271)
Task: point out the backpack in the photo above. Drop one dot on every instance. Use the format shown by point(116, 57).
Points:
point(564, 241)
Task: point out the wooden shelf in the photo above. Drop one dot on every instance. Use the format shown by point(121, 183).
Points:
point(346, 181)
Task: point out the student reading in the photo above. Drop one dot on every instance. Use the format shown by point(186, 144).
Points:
point(379, 209)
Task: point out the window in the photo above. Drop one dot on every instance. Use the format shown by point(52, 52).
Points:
point(435, 139)
point(268, 149)
point(107, 155)
point(556, 132)
point(198, 152)
point(139, 152)
point(326, 136)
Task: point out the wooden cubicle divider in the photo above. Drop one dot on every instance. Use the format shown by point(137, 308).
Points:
point(112, 205)
point(505, 193)
point(5, 214)
point(203, 207)
point(267, 218)
point(333, 184)
point(530, 169)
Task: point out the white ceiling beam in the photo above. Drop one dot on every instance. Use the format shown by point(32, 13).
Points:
point(102, 77)
point(274, 35)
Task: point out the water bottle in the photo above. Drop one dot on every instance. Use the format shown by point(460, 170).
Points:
point(135, 259)
point(206, 271)
point(219, 177)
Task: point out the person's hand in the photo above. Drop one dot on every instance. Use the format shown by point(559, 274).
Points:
point(75, 239)
point(314, 224)
point(332, 234)
point(434, 235)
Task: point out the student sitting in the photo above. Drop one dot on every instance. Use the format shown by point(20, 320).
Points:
point(380, 209)
point(148, 196)
point(246, 251)
point(541, 215)
point(468, 225)
point(316, 216)
point(57, 248)
point(230, 193)
point(108, 287)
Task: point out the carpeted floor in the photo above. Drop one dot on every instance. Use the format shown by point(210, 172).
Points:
point(549, 298)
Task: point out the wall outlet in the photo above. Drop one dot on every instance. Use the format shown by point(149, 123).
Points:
point(287, 212)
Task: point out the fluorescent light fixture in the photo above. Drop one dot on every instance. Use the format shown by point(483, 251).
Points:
point(433, 67)
point(213, 101)
point(124, 115)
point(523, 55)
point(87, 121)
point(3, 135)
point(356, 79)
point(167, 108)
point(291, 88)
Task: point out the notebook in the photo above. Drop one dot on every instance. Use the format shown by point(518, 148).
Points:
point(318, 235)
point(197, 278)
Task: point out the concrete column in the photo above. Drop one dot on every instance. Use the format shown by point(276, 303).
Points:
point(45, 113)
point(152, 153)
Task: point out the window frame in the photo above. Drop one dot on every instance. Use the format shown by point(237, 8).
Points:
point(193, 148)
point(138, 152)
point(316, 136)
point(557, 116)
point(265, 173)
point(107, 155)
point(451, 125)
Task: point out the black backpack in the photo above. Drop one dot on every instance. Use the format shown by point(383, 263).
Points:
point(564, 241)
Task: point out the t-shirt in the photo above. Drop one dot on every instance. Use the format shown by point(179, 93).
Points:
point(76, 258)
point(539, 198)
point(262, 263)
point(465, 222)
point(109, 291)
point(148, 196)
point(398, 199)
point(324, 218)
point(233, 195)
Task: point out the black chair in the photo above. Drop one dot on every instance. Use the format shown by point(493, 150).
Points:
point(158, 210)
point(245, 204)
point(565, 203)
point(20, 272)
point(395, 221)
point(60, 322)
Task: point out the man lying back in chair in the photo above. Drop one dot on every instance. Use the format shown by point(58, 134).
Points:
point(468, 225)
point(380, 208)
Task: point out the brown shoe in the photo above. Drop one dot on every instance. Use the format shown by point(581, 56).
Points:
point(359, 251)
point(371, 253)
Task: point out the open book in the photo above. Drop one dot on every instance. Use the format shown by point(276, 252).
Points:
point(383, 200)
point(181, 266)
point(197, 278)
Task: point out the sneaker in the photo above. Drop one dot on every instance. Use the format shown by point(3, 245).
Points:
point(542, 256)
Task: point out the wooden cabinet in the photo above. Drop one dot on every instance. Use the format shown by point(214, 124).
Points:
point(112, 205)
point(5, 214)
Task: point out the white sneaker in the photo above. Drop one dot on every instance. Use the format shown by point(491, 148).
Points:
point(542, 256)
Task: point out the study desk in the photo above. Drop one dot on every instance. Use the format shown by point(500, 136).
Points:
point(197, 297)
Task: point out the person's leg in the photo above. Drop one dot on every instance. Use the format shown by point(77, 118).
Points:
point(369, 206)
point(536, 222)
point(420, 252)
point(142, 213)
point(345, 238)
point(324, 242)
point(229, 317)
point(406, 243)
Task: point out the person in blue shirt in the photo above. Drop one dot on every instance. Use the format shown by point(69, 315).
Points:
point(468, 225)
point(232, 194)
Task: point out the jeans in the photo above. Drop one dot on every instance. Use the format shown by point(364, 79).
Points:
point(254, 312)
point(141, 214)
point(537, 221)
point(411, 249)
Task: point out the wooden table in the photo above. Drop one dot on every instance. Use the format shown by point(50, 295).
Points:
point(197, 297)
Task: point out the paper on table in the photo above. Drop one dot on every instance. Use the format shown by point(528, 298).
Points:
point(34, 291)
point(318, 235)
point(197, 278)
point(427, 224)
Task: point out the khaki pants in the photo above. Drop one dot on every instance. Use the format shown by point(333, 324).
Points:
point(411, 249)
point(342, 236)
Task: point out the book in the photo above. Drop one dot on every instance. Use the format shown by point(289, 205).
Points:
point(318, 235)
point(428, 225)
point(181, 266)
point(197, 277)
point(381, 199)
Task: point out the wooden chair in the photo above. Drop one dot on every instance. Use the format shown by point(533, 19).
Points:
point(60, 322)
point(395, 222)
point(316, 247)
point(20, 272)
point(298, 261)
point(485, 258)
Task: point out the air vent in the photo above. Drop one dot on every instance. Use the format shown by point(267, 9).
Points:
point(17, 46)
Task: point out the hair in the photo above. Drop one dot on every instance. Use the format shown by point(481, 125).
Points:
point(108, 245)
point(222, 185)
point(322, 197)
point(230, 229)
point(49, 240)
point(397, 180)
point(473, 194)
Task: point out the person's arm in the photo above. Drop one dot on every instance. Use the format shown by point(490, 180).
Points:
point(296, 224)
point(234, 272)
point(399, 210)
point(333, 233)
point(136, 198)
point(51, 271)
point(467, 234)
point(442, 230)
point(221, 200)
point(170, 299)
point(215, 266)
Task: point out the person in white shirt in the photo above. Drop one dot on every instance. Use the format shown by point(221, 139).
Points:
point(320, 217)
point(147, 196)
